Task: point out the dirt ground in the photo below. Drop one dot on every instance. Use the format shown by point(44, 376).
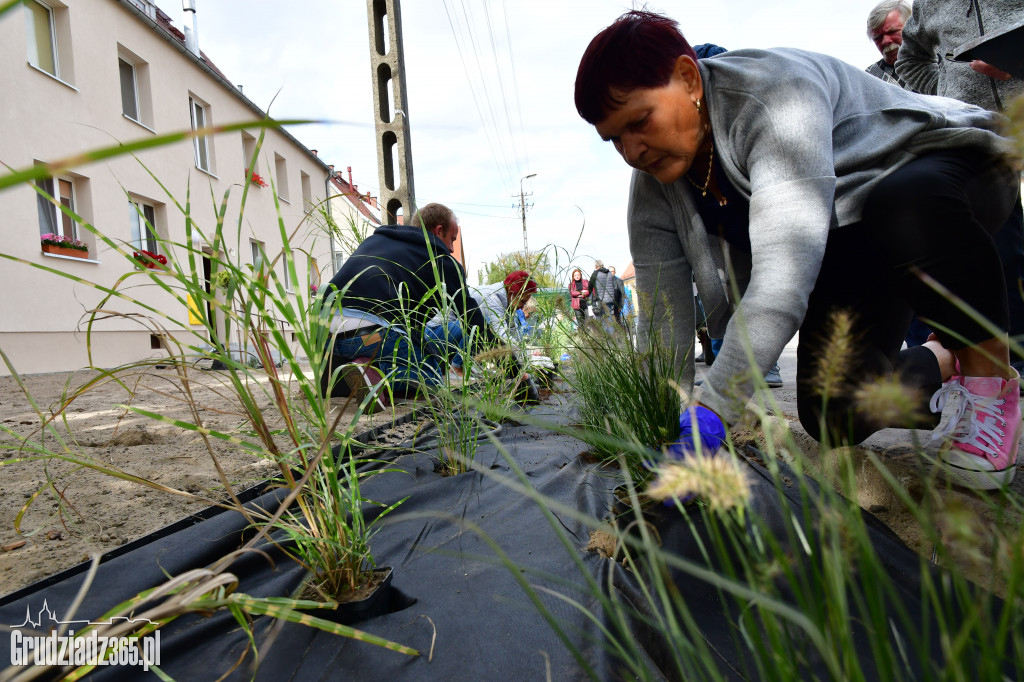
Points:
point(100, 512)
point(974, 526)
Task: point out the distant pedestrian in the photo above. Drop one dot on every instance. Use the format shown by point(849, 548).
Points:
point(602, 287)
point(620, 295)
point(579, 294)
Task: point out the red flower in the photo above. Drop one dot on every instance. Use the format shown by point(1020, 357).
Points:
point(256, 179)
point(149, 259)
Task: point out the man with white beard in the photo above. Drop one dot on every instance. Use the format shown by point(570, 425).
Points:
point(885, 29)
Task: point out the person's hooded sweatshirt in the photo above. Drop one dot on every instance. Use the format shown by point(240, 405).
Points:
point(403, 274)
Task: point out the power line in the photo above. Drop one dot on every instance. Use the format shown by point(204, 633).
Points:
point(466, 203)
point(488, 215)
point(495, 153)
point(515, 84)
point(502, 90)
point(501, 137)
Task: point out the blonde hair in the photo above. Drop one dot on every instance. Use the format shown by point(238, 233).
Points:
point(432, 215)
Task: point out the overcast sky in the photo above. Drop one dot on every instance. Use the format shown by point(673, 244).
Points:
point(490, 86)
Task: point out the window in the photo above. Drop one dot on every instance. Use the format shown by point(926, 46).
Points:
point(314, 275)
point(136, 95)
point(248, 151)
point(142, 218)
point(129, 89)
point(281, 171)
point(200, 119)
point(48, 38)
point(307, 192)
point(287, 275)
point(256, 248)
point(51, 219)
point(42, 37)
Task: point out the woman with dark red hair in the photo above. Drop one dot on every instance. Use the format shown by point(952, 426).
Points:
point(818, 189)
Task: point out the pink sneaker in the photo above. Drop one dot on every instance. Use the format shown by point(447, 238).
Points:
point(985, 433)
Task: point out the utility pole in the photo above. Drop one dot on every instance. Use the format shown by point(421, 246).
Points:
point(522, 210)
point(394, 142)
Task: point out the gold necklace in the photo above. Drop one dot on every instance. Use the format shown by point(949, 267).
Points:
point(707, 181)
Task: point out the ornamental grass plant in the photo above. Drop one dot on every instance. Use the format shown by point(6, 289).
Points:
point(269, 343)
point(756, 566)
point(626, 392)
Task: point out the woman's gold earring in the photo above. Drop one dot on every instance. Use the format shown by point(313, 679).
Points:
point(697, 102)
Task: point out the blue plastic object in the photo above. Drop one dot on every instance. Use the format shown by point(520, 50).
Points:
point(698, 422)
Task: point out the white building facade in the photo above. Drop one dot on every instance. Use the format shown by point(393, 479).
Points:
point(82, 75)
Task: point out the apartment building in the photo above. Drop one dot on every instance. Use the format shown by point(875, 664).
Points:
point(355, 215)
point(79, 75)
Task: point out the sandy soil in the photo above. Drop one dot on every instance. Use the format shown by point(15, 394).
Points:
point(974, 526)
point(99, 512)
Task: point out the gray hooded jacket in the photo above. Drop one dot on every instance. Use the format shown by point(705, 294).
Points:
point(805, 137)
point(937, 27)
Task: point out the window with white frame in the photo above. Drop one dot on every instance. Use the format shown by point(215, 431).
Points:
point(48, 38)
point(53, 220)
point(200, 119)
point(256, 249)
point(42, 37)
point(287, 279)
point(314, 275)
point(307, 191)
point(249, 151)
point(129, 89)
point(281, 176)
point(136, 94)
point(142, 218)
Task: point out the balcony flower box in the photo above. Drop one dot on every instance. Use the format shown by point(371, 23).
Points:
point(147, 259)
point(63, 246)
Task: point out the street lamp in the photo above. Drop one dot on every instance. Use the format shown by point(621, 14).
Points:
point(522, 209)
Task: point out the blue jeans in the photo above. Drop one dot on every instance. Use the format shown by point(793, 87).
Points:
point(446, 342)
point(406, 363)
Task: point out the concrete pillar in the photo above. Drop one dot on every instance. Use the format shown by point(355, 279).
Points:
point(391, 110)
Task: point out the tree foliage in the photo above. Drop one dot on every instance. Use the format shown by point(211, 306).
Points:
point(535, 262)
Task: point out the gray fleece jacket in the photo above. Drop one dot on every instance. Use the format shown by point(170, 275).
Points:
point(937, 27)
point(806, 137)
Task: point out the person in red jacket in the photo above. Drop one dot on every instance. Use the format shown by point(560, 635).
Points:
point(578, 294)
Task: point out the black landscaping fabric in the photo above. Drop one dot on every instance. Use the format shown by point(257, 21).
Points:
point(444, 570)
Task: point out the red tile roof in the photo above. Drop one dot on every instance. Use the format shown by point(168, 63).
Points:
point(360, 201)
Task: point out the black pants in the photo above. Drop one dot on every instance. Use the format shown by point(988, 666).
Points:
point(1010, 242)
point(934, 218)
point(581, 315)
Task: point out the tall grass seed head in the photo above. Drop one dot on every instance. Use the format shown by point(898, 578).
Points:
point(964, 532)
point(886, 402)
point(719, 481)
point(836, 363)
